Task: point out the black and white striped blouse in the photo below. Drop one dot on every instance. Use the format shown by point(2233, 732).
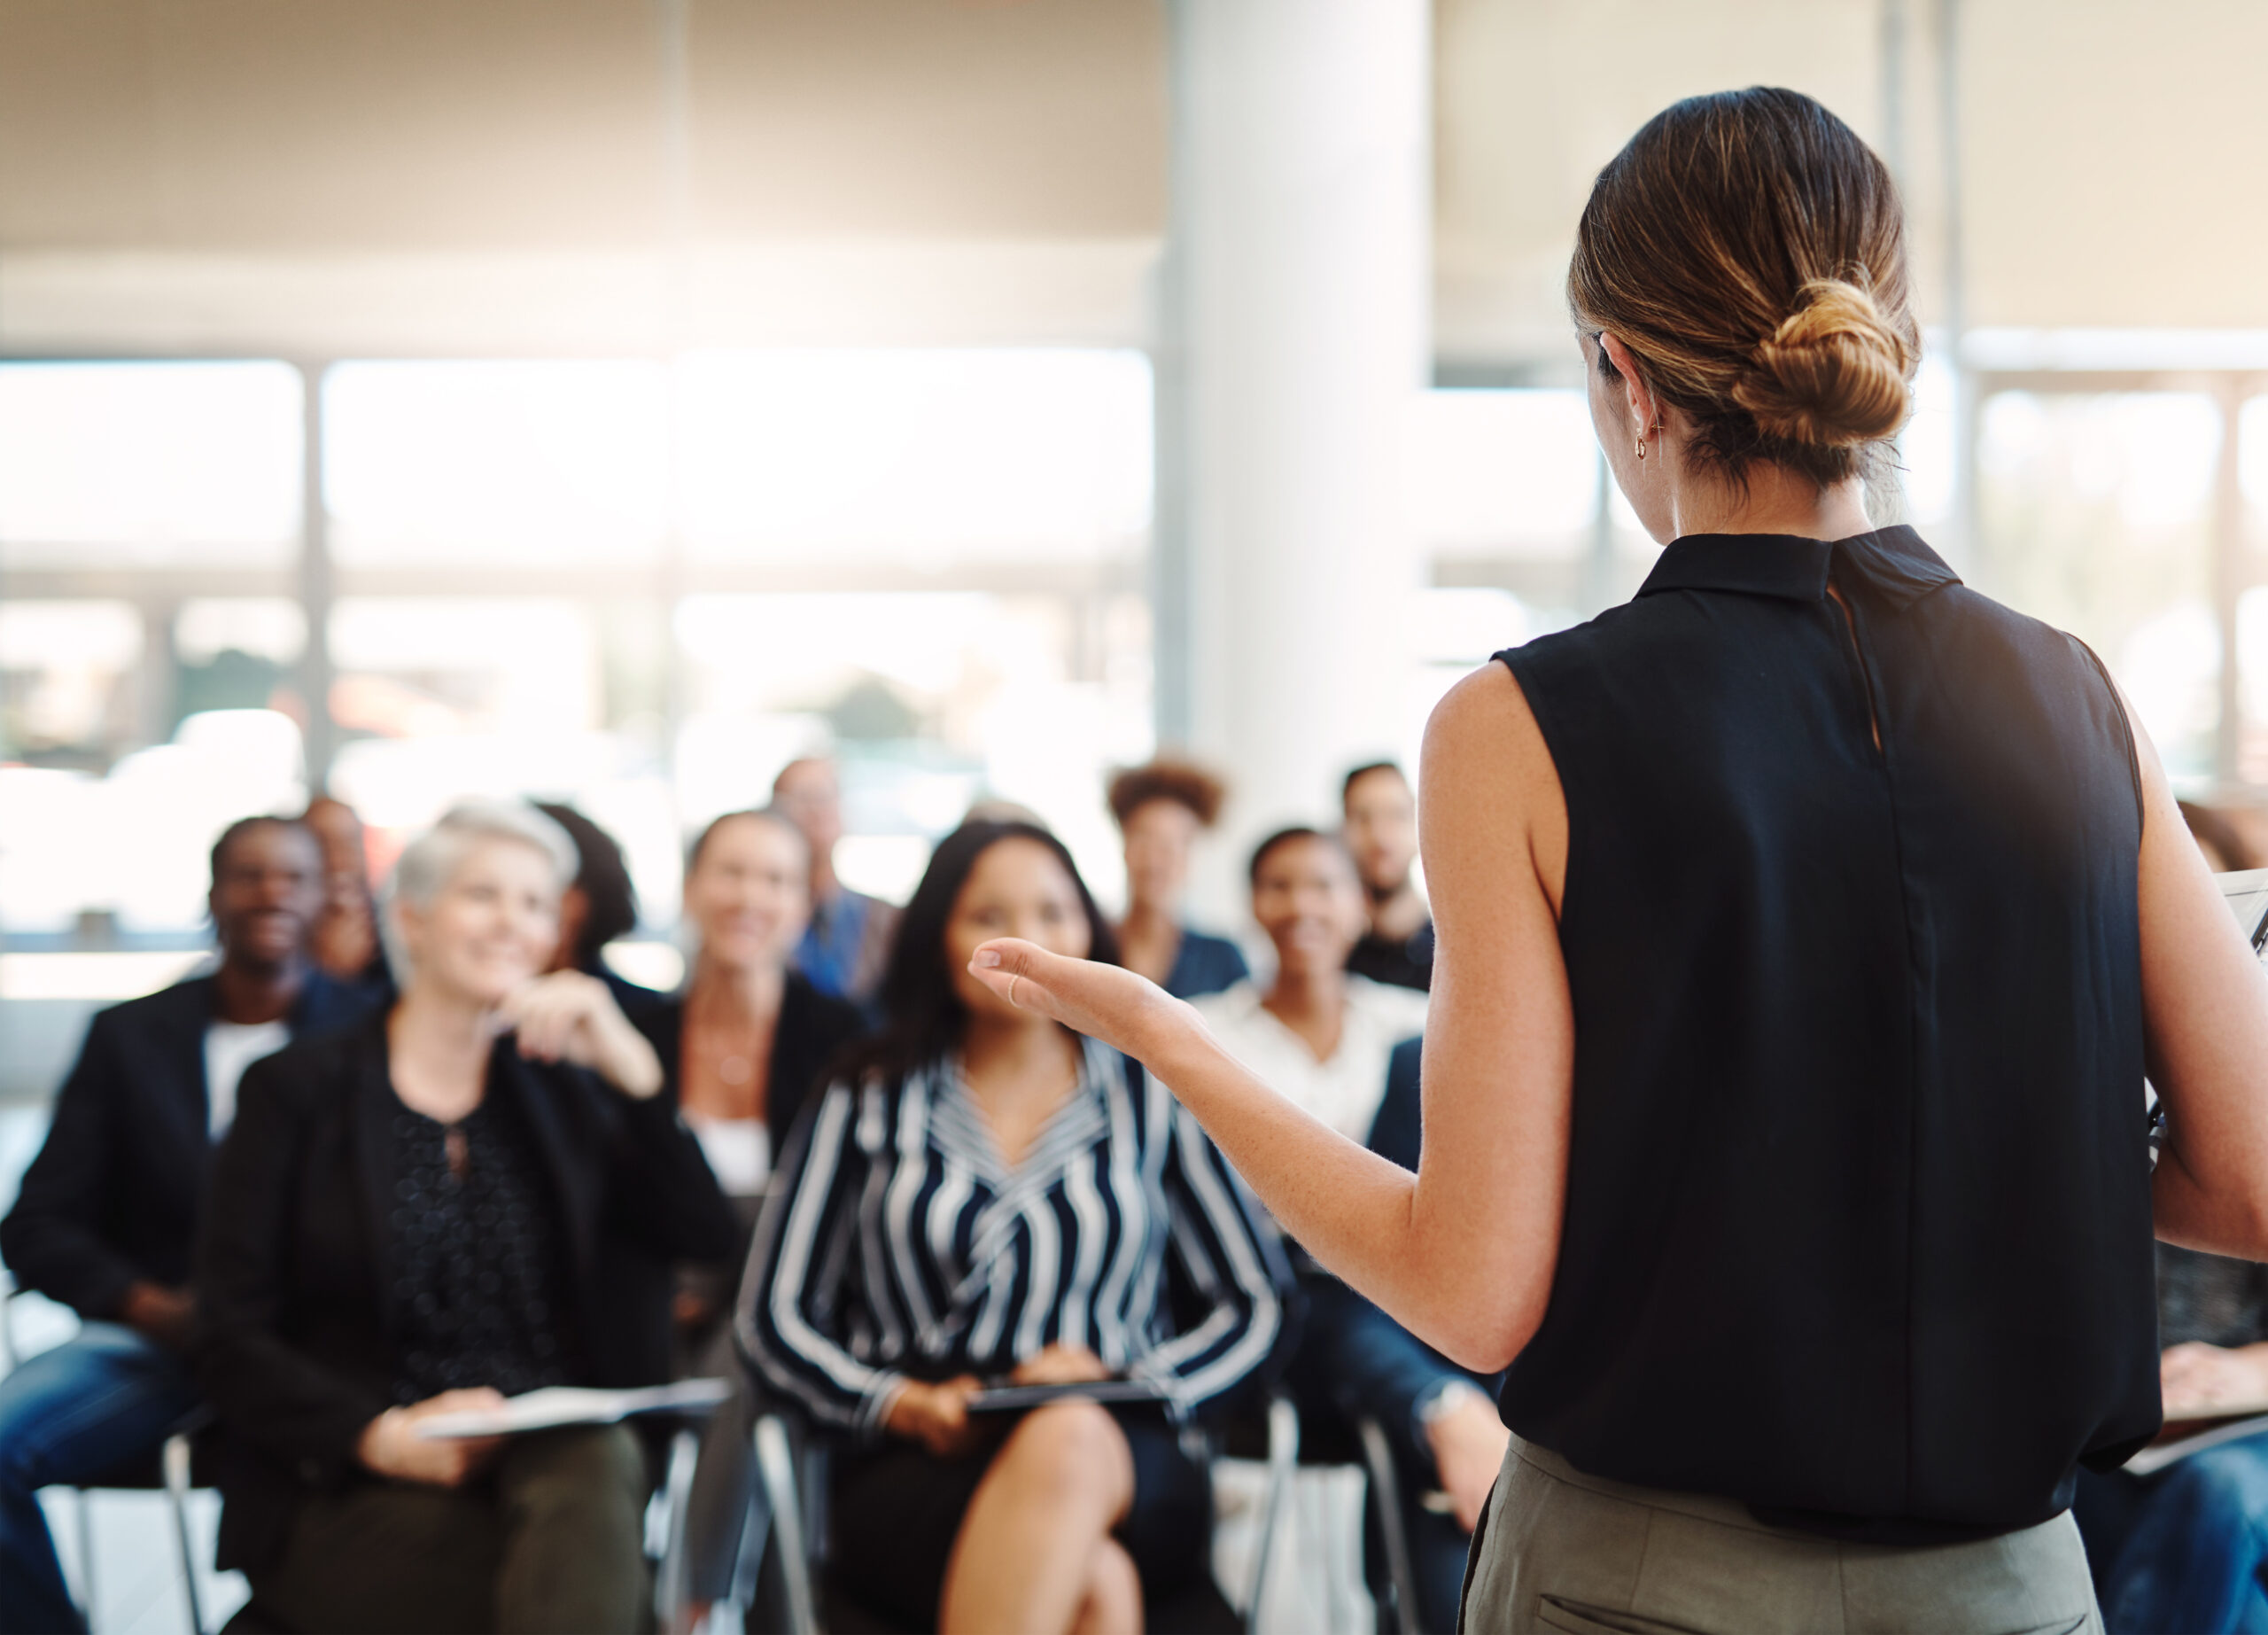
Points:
point(898, 1244)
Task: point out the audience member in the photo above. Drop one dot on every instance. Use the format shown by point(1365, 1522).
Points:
point(983, 1197)
point(2186, 1547)
point(844, 946)
point(1340, 1046)
point(1160, 809)
point(408, 1219)
point(2218, 837)
point(600, 906)
point(109, 1208)
point(345, 941)
point(744, 1045)
point(1382, 834)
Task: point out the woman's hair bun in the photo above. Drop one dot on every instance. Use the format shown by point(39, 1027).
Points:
point(1833, 374)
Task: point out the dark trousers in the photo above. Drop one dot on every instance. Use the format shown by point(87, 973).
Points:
point(549, 1539)
point(1355, 1362)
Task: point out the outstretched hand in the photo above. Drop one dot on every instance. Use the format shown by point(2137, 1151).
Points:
point(1128, 1013)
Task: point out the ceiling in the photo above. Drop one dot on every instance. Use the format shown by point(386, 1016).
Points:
point(497, 175)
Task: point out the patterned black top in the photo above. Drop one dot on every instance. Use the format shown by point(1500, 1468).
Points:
point(475, 1257)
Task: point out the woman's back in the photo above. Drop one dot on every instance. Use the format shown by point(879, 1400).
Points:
point(1857, 1223)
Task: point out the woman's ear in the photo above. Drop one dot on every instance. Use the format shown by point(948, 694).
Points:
point(1645, 413)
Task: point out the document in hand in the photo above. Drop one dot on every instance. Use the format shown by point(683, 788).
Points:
point(572, 1404)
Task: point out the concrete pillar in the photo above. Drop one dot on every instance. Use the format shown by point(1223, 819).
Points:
point(1295, 327)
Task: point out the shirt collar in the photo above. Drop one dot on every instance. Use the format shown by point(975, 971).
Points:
point(1893, 562)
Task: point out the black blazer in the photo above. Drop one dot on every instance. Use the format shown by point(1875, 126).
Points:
point(296, 1313)
point(1395, 1130)
point(114, 1195)
point(813, 1028)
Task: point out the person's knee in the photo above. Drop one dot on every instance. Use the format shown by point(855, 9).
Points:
point(1071, 1449)
point(597, 1471)
point(2232, 1481)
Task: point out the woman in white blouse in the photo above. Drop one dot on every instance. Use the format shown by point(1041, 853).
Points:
point(1318, 1034)
point(1327, 1040)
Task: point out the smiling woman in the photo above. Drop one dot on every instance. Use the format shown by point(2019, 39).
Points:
point(424, 1214)
point(1054, 1221)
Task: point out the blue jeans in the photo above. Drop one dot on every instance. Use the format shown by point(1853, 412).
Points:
point(2182, 1549)
point(1355, 1361)
point(72, 1415)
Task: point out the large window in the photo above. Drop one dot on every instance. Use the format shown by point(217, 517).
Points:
point(638, 586)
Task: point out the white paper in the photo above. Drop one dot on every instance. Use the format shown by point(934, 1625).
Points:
point(2162, 1454)
point(572, 1404)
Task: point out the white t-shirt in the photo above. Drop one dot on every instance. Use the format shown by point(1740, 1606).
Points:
point(1345, 1091)
point(739, 1151)
point(229, 1048)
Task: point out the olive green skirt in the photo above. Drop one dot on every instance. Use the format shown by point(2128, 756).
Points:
point(1560, 1551)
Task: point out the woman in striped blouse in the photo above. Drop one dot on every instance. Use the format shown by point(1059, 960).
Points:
point(986, 1198)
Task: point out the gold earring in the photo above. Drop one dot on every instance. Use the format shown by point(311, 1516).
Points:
point(1641, 449)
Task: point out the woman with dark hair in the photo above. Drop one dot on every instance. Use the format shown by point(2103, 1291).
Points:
point(1805, 928)
point(984, 1197)
point(1160, 809)
point(598, 907)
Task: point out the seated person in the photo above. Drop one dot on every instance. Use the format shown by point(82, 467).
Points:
point(109, 1208)
point(1161, 808)
point(986, 1196)
point(599, 906)
point(1381, 834)
point(848, 938)
point(744, 1045)
point(408, 1218)
point(1338, 1044)
point(2186, 1547)
point(345, 943)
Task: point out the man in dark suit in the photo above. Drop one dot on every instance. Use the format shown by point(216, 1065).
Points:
point(108, 1210)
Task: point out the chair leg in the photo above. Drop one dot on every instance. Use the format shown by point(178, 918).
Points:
point(671, 1581)
point(1385, 1493)
point(87, 1553)
point(775, 1466)
point(1283, 1457)
point(176, 1464)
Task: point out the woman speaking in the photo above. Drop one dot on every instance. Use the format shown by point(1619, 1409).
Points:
point(1805, 929)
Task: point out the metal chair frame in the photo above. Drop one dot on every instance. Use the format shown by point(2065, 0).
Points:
point(1384, 1496)
point(173, 1466)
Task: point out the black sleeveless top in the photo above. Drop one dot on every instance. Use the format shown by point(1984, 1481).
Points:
point(1858, 1220)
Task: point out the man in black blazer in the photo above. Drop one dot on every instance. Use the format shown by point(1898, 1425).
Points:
point(108, 1211)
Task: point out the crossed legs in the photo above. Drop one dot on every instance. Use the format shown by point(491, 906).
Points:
point(1035, 1553)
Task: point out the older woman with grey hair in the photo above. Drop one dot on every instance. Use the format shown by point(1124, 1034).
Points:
point(432, 1212)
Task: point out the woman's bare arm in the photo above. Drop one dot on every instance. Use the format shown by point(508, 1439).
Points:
point(2205, 1016)
point(1462, 1252)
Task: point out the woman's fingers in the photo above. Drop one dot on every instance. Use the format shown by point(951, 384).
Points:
point(1102, 1001)
point(1014, 969)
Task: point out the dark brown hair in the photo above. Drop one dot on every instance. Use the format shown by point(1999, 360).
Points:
point(923, 1017)
point(1750, 250)
point(1183, 782)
